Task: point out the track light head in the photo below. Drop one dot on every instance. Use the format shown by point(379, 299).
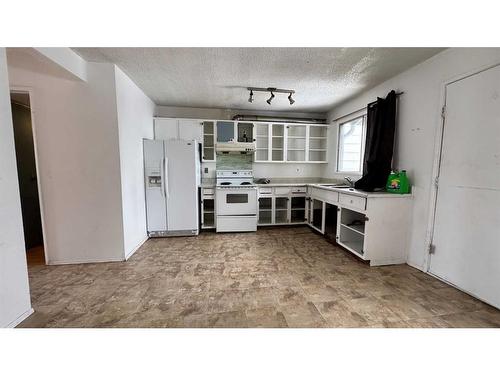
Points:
point(290, 99)
point(270, 99)
point(250, 98)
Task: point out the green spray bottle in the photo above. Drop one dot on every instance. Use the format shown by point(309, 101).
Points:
point(398, 183)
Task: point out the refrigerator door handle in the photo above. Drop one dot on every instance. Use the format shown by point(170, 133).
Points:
point(167, 190)
point(162, 177)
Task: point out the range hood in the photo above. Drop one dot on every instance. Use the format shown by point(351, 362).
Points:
point(235, 147)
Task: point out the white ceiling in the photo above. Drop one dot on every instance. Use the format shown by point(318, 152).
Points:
point(218, 77)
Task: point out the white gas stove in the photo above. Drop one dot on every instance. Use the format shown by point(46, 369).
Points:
point(236, 200)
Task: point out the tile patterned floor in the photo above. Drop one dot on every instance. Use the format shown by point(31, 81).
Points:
point(280, 277)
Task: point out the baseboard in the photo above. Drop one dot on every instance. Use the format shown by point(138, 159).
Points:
point(127, 256)
point(418, 267)
point(20, 318)
point(387, 262)
point(83, 261)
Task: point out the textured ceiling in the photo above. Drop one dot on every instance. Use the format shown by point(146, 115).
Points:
point(218, 77)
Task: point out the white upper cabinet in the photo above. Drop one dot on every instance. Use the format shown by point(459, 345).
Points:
point(239, 131)
point(166, 128)
point(296, 143)
point(208, 140)
point(262, 139)
point(171, 128)
point(274, 142)
point(191, 130)
point(291, 143)
point(317, 143)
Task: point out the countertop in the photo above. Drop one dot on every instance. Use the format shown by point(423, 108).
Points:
point(315, 182)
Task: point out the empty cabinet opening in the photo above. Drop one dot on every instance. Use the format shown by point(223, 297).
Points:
point(298, 210)
point(317, 214)
point(353, 220)
point(352, 230)
point(331, 222)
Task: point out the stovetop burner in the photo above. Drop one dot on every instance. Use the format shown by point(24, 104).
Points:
point(234, 178)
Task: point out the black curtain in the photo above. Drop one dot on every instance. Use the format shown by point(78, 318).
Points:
point(379, 147)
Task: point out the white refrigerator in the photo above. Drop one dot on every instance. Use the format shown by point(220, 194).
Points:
point(172, 178)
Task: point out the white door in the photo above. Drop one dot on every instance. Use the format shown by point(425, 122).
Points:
point(166, 128)
point(467, 224)
point(191, 130)
point(181, 185)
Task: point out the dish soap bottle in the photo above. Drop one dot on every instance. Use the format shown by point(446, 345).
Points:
point(398, 183)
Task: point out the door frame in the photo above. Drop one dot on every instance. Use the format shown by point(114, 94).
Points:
point(30, 91)
point(438, 150)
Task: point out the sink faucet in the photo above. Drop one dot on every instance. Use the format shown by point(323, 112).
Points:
point(349, 181)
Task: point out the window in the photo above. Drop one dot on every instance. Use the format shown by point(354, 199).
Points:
point(351, 145)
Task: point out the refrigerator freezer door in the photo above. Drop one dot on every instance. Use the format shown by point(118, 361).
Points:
point(156, 214)
point(181, 186)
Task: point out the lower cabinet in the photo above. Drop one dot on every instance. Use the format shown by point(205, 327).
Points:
point(281, 210)
point(298, 209)
point(317, 208)
point(207, 213)
point(282, 206)
point(265, 212)
point(374, 228)
point(351, 230)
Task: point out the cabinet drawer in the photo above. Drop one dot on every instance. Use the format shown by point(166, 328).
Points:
point(208, 191)
point(265, 190)
point(285, 190)
point(353, 201)
point(298, 190)
point(325, 195)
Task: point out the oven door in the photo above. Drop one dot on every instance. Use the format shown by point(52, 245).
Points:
point(236, 201)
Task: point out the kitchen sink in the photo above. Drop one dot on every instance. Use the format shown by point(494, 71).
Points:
point(337, 186)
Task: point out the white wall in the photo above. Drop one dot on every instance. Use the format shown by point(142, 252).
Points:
point(67, 59)
point(15, 302)
point(135, 122)
point(419, 118)
point(77, 140)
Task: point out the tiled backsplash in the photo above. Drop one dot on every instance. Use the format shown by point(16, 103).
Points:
point(231, 161)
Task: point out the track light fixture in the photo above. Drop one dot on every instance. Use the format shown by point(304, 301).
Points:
point(270, 98)
point(272, 90)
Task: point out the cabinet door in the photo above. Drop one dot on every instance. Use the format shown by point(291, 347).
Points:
point(208, 140)
point(262, 142)
point(296, 143)
point(281, 210)
point(166, 128)
point(190, 130)
point(225, 131)
point(317, 143)
point(245, 132)
point(278, 142)
point(265, 211)
point(317, 213)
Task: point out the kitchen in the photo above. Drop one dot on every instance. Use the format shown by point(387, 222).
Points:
point(237, 201)
point(277, 205)
point(259, 187)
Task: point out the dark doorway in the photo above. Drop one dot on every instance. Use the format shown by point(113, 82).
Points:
point(27, 176)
